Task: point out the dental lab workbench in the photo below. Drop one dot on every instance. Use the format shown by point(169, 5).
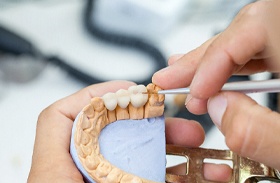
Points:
point(49, 26)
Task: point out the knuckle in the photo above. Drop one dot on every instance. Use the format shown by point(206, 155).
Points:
point(48, 111)
point(45, 112)
point(254, 15)
point(254, 9)
point(246, 8)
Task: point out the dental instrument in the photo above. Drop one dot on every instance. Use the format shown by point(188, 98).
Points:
point(267, 86)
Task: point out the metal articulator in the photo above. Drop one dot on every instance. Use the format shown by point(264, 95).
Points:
point(244, 169)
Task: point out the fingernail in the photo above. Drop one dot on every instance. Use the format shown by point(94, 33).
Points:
point(188, 99)
point(162, 70)
point(216, 108)
point(177, 56)
point(194, 82)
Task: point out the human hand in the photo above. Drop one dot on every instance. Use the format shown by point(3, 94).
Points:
point(52, 161)
point(249, 45)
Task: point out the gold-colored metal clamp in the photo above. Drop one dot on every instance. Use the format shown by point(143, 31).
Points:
point(244, 169)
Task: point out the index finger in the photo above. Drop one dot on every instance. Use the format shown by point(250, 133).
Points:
point(229, 52)
point(181, 69)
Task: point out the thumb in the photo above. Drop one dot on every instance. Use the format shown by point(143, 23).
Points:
point(250, 130)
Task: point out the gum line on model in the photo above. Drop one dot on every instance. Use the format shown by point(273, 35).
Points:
point(122, 106)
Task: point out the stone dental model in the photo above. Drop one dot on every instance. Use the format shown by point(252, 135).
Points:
point(132, 146)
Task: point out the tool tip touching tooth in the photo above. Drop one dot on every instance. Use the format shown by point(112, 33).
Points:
point(149, 93)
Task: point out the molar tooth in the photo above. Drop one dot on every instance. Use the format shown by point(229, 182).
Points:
point(123, 97)
point(137, 98)
point(137, 89)
point(142, 88)
point(110, 101)
point(155, 105)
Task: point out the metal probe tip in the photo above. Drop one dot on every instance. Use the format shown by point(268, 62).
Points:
point(154, 92)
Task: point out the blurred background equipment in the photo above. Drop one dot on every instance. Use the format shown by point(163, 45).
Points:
point(140, 26)
point(147, 20)
point(13, 44)
point(92, 41)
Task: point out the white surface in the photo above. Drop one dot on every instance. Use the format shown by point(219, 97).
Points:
point(57, 28)
point(121, 15)
point(20, 105)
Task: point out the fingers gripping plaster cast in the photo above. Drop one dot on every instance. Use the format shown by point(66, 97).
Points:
point(120, 137)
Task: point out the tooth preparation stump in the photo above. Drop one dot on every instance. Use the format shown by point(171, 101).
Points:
point(120, 137)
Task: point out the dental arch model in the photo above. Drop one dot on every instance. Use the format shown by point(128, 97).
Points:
point(129, 104)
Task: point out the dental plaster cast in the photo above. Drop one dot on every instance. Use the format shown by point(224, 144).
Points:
point(132, 146)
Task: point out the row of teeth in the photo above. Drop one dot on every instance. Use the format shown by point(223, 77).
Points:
point(122, 98)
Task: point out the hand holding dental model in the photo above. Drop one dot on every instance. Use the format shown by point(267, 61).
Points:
point(120, 137)
point(250, 44)
point(52, 161)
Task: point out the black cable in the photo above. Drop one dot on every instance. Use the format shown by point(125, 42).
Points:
point(122, 40)
point(13, 43)
point(73, 71)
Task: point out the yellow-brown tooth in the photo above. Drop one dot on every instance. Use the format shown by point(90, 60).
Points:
point(155, 104)
point(135, 113)
point(121, 113)
point(88, 110)
point(111, 116)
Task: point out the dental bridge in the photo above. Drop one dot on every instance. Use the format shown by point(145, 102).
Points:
point(140, 102)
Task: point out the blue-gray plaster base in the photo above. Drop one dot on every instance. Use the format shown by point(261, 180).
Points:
point(135, 146)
